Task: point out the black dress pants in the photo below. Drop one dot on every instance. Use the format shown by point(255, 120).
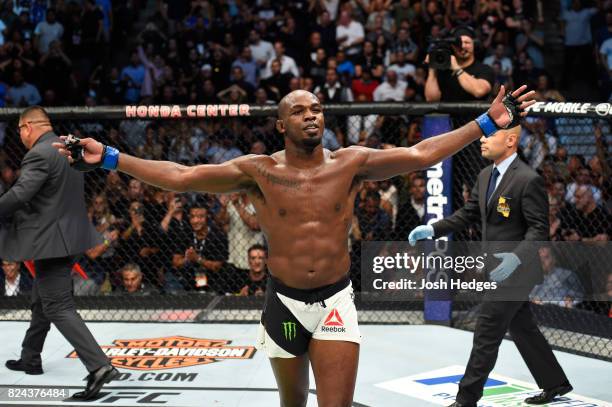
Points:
point(52, 302)
point(494, 320)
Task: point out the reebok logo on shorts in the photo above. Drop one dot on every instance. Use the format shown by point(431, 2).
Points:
point(333, 322)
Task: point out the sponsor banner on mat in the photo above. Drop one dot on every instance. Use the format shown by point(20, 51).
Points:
point(171, 352)
point(440, 387)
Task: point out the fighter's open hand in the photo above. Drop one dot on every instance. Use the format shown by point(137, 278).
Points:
point(83, 154)
point(506, 111)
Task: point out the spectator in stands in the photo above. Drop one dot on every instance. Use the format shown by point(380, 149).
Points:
point(22, 93)
point(373, 222)
point(133, 77)
point(392, 89)
point(132, 281)
point(575, 162)
point(115, 191)
point(378, 30)
point(369, 61)
point(153, 70)
point(199, 255)
point(57, 67)
point(582, 178)
point(346, 68)
point(100, 214)
point(359, 127)
point(120, 198)
point(349, 35)
point(249, 67)
point(23, 25)
point(99, 259)
point(560, 286)
point(404, 44)
point(92, 34)
point(326, 27)
point(288, 64)
point(333, 91)
point(554, 220)
point(174, 221)
point(364, 85)
point(237, 215)
point(579, 64)
point(317, 67)
point(467, 80)
point(586, 221)
point(140, 243)
point(531, 41)
point(252, 281)
point(402, 10)
point(277, 84)
point(500, 57)
point(545, 92)
point(536, 142)
point(14, 280)
point(47, 31)
point(411, 213)
point(557, 191)
point(401, 66)
point(239, 84)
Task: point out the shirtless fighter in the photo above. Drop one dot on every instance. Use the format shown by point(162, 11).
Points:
point(304, 200)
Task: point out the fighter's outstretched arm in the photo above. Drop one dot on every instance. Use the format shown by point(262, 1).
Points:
point(384, 164)
point(219, 178)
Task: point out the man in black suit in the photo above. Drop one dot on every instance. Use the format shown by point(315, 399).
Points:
point(50, 225)
point(510, 201)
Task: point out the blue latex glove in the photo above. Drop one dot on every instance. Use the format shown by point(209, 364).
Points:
point(509, 263)
point(420, 233)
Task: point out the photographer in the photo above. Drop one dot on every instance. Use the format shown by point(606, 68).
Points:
point(463, 79)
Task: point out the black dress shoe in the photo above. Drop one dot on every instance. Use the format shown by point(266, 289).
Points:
point(19, 365)
point(549, 395)
point(457, 404)
point(95, 381)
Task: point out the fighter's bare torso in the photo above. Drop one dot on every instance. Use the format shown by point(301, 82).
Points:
point(306, 214)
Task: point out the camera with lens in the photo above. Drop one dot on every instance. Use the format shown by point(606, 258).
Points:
point(441, 50)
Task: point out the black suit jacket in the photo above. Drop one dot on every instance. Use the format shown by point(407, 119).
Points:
point(46, 208)
point(521, 194)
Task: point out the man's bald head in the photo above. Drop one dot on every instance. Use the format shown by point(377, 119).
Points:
point(34, 113)
point(297, 96)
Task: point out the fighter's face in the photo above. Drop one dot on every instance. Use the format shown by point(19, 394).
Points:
point(302, 120)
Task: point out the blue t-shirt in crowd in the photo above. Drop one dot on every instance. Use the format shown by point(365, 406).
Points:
point(134, 75)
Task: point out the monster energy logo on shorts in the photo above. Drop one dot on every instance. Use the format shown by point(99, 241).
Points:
point(289, 329)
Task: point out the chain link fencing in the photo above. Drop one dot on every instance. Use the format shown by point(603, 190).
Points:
point(189, 257)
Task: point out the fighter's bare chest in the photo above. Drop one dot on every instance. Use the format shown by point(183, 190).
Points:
point(286, 190)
